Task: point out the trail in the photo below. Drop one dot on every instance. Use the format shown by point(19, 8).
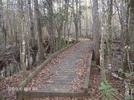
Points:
point(68, 73)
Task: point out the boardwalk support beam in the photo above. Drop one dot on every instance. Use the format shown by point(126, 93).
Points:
point(86, 85)
point(27, 95)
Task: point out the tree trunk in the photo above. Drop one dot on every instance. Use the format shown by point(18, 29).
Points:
point(50, 26)
point(66, 21)
point(2, 26)
point(131, 32)
point(23, 41)
point(109, 35)
point(75, 16)
point(86, 33)
point(31, 24)
point(0, 13)
point(40, 41)
point(80, 13)
point(103, 22)
point(126, 39)
point(76, 21)
point(96, 32)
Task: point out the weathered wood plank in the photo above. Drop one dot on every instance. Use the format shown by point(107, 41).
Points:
point(88, 73)
point(64, 77)
point(55, 87)
point(27, 95)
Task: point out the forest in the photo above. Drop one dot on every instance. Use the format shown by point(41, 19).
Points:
point(66, 50)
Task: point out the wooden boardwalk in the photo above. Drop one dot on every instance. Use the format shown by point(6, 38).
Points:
point(61, 83)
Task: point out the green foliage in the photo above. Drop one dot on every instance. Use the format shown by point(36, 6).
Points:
point(132, 73)
point(83, 8)
point(107, 89)
point(120, 72)
point(62, 42)
point(129, 98)
point(127, 74)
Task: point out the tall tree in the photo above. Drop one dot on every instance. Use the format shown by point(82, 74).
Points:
point(109, 34)
point(31, 24)
point(0, 13)
point(23, 41)
point(50, 25)
point(66, 15)
point(86, 18)
point(131, 32)
point(2, 25)
point(40, 41)
point(80, 13)
point(59, 21)
point(75, 16)
point(96, 32)
point(125, 41)
point(76, 20)
point(103, 25)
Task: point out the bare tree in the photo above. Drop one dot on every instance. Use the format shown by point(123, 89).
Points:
point(59, 22)
point(75, 16)
point(23, 41)
point(66, 21)
point(1, 13)
point(40, 41)
point(2, 25)
point(50, 25)
point(80, 14)
point(131, 40)
point(125, 41)
point(96, 32)
point(103, 30)
point(86, 18)
point(31, 24)
point(109, 34)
